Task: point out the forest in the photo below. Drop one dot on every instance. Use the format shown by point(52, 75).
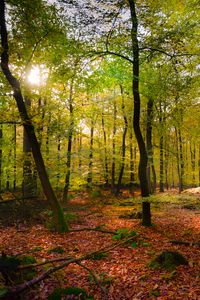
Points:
point(100, 149)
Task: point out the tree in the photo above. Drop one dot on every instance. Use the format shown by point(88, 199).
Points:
point(60, 223)
point(136, 117)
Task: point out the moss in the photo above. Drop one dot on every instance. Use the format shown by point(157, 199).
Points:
point(74, 292)
point(58, 249)
point(99, 255)
point(168, 260)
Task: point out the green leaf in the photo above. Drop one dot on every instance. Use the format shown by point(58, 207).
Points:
point(3, 292)
point(134, 244)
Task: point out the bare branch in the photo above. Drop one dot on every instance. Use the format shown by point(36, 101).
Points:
point(105, 53)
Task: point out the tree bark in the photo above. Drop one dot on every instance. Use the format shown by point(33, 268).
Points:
point(193, 160)
point(15, 157)
point(161, 148)
point(69, 146)
point(114, 144)
point(28, 184)
point(90, 167)
point(119, 183)
point(1, 138)
point(59, 221)
point(132, 175)
point(151, 174)
point(105, 150)
point(136, 117)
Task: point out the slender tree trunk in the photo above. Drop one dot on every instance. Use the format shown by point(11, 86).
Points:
point(59, 220)
point(181, 160)
point(132, 174)
point(161, 148)
point(161, 164)
point(193, 159)
point(178, 160)
point(47, 137)
point(136, 118)
point(89, 179)
point(114, 144)
point(1, 152)
point(123, 147)
point(69, 146)
point(150, 168)
point(166, 164)
point(15, 157)
point(105, 151)
point(79, 151)
point(199, 164)
point(58, 160)
point(27, 185)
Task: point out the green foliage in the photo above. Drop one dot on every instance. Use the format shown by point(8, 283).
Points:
point(3, 292)
point(155, 293)
point(169, 276)
point(124, 233)
point(104, 279)
point(38, 248)
point(27, 260)
point(9, 263)
point(71, 216)
point(168, 260)
point(57, 249)
point(75, 292)
point(96, 193)
point(99, 255)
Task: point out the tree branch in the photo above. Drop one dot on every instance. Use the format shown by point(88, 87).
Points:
point(107, 52)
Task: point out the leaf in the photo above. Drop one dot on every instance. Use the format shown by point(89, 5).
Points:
point(3, 292)
point(134, 244)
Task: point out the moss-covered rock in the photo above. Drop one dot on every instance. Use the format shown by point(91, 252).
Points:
point(168, 260)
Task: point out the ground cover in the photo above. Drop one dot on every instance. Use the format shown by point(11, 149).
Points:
point(122, 269)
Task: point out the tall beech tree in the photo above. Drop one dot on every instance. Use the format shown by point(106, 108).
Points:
point(136, 117)
point(59, 221)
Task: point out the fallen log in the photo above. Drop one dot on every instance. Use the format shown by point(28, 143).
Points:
point(197, 244)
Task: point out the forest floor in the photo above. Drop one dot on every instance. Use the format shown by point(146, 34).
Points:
point(122, 269)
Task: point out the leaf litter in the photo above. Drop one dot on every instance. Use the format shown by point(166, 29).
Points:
point(124, 271)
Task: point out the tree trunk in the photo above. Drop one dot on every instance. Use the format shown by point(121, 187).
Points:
point(59, 220)
point(1, 138)
point(161, 148)
point(89, 179)
point(47, 137)
point(199, 164)
point(113, 144)
point(166, 164)
point(58, 160)
point(181, 160)
point(15, 157)
point(150, 168)
point(27, 185)
point(69, 146)
point(105, 150)
point(161, 164)
point(132, 175)
point(193, 159)
point(136, 118)
point(119, 183)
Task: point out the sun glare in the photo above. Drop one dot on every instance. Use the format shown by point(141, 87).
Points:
point(34, 76)
point(38, 75)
